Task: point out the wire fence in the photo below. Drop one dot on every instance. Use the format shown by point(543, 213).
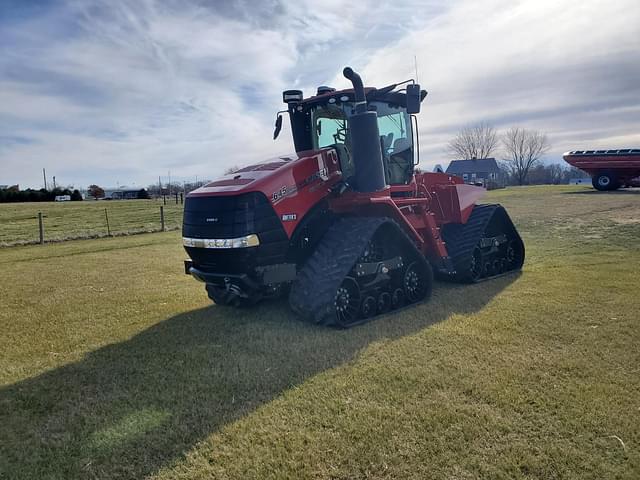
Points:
point(33, 223)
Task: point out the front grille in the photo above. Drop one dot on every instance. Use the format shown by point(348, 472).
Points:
point(232, 217)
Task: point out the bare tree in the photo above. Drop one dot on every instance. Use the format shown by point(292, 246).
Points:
point(474, 141)
point(523, 149)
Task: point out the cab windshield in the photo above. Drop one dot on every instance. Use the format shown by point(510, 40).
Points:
point(331, 127)
point(330, 124)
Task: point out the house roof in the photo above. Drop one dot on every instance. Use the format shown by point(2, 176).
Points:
point(488, 165)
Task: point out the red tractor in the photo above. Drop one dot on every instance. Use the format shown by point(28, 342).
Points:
point(345, 226)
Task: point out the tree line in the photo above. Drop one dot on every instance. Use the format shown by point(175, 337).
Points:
point(519, 151)
point(14, 195)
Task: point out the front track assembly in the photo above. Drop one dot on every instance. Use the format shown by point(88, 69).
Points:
point(362, 267)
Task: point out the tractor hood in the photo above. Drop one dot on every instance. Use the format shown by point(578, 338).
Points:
point(245, 178)
point(274, 174)
point(288, 184)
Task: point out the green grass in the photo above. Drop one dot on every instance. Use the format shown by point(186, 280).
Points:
point(69, 220)
point(114, 365)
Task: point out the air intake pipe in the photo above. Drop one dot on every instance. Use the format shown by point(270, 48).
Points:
point(365, 141)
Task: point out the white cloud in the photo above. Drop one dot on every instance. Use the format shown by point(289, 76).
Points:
point(556, 66)
point(126, 90)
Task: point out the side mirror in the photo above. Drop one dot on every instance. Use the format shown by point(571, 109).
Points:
point(276, 132)
point(413, 98)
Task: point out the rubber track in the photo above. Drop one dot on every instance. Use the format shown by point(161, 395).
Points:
point(461, 239)
point(313, 293)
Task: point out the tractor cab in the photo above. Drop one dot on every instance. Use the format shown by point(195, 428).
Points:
point(324, 121)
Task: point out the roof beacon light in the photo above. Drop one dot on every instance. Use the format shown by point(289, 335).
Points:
point(322, 89)
point(292, 96)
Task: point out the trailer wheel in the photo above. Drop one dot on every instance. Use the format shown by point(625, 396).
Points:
point(605, 181)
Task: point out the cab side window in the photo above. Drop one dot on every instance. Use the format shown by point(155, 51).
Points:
point(330, 131)
point(397, 147)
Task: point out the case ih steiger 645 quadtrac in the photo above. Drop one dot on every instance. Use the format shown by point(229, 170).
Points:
point(345, 226)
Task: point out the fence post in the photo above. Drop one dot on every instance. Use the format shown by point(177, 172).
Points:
point(41, 228)
point(162, 218)
point(106, 216)
point(181, 198)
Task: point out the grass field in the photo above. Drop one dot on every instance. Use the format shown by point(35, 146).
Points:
point(113, 364)
point(68, 220)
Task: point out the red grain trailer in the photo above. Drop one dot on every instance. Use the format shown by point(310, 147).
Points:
point(609, 169)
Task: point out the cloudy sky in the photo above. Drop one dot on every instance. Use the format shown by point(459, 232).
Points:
point(122, 91)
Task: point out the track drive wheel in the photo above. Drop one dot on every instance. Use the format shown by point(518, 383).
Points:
point(417, 282)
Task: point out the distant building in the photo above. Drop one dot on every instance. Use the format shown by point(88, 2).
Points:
point(484, 171)
point(438, 169)
point(123, 194)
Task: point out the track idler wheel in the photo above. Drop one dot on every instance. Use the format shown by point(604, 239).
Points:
point(347, 302)
point(417, 282)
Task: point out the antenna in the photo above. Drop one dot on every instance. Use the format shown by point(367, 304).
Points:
point(415, 64)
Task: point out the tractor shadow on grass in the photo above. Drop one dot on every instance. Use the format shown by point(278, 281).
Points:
point(128, 409)
point(624, 191)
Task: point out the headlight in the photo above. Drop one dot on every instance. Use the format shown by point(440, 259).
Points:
point(240, 242)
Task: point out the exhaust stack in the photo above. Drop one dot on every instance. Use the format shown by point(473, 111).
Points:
point(365, 141)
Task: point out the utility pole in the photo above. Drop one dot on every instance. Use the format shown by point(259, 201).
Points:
point(54, 182)
point(159, 186)
point(169, 182)
point(44, 174)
